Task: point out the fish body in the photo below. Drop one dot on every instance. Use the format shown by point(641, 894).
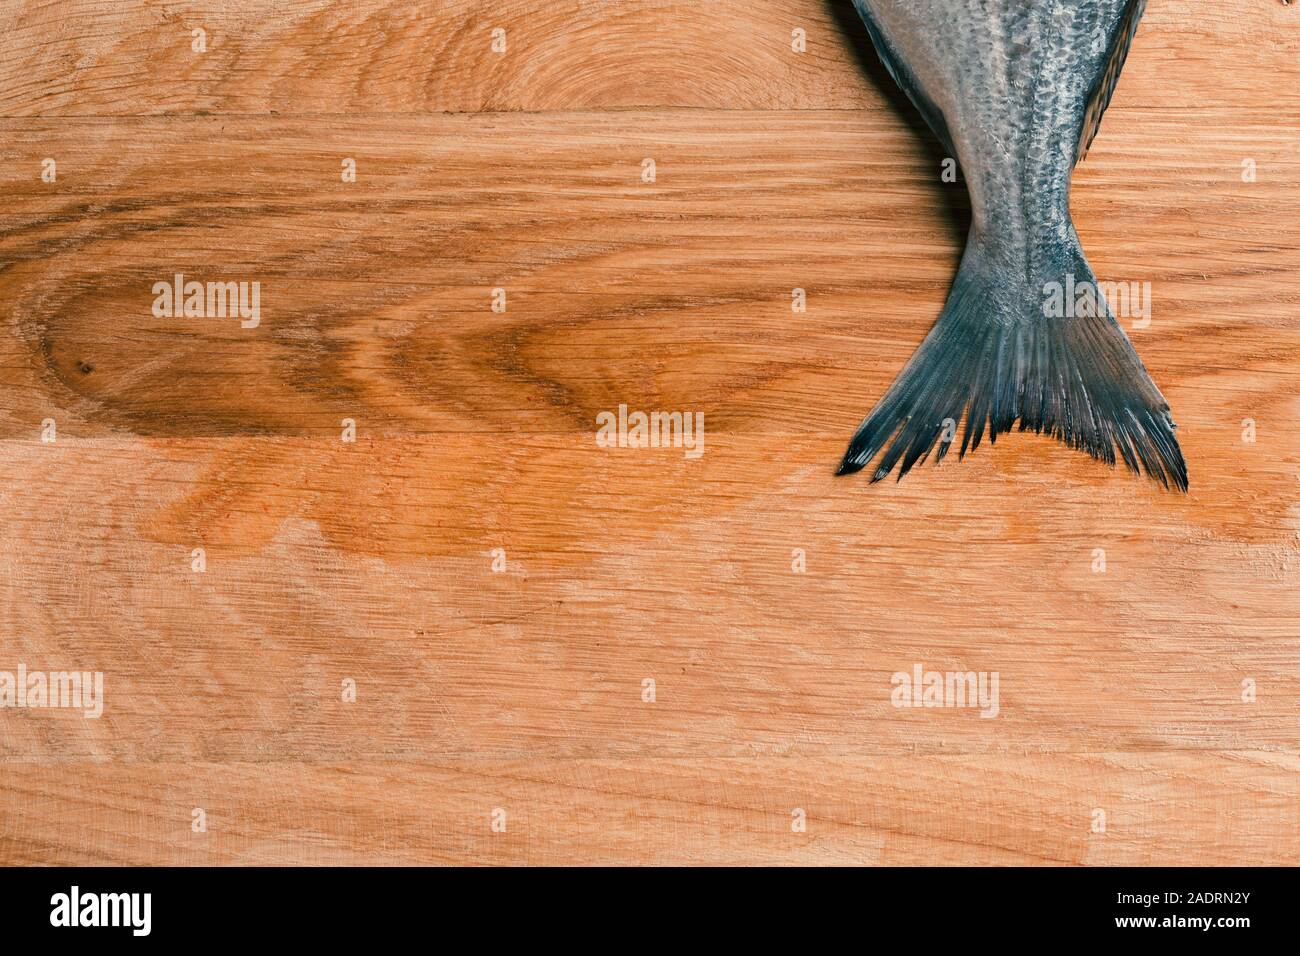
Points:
point(1015, 90)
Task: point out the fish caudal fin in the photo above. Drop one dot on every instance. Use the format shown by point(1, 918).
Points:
point(998, 355)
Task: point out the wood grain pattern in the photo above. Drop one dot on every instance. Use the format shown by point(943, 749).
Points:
point(973, 810)
point(522, 689)
point(135, 57)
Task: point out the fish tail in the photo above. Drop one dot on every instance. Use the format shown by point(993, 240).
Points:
point(998, 355)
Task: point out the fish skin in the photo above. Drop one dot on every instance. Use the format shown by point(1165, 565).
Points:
point(1012, 79)
point(1015, 90)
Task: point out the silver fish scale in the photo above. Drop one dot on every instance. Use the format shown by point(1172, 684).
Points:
point(1011, 80)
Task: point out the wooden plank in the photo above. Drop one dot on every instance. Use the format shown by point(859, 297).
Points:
point(376, 296)
point(132, 57)
point(373, 561)
point(1209, 808)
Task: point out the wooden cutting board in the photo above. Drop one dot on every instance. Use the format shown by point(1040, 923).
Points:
point(364, 586)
